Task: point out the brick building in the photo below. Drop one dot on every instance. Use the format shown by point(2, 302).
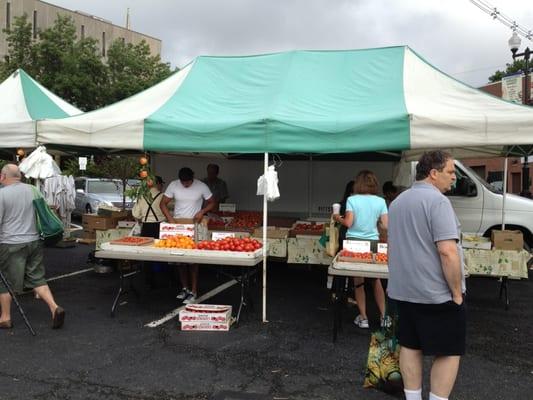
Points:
point(43, 15)
point(491, 169)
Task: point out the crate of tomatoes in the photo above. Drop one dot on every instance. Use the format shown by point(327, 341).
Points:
point(230, 244)
point(352, 256)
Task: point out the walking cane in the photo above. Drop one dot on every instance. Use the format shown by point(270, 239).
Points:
point(6, 283)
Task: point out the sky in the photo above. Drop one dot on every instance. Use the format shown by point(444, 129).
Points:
point(453, 35)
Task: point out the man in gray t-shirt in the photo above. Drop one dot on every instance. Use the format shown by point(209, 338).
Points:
point(426, 277)
point(21, 250)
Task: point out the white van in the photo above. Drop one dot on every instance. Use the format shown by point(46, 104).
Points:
point(478, 206)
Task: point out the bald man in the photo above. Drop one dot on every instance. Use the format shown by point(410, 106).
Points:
point(21, 250)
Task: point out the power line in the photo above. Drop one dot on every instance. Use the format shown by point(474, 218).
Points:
point(504, 19)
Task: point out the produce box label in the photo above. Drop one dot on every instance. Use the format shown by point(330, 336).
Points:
point(205, 326)
point(356, 246)
point(166, 229)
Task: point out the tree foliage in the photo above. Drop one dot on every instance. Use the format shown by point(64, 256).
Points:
point(73, 68)
point(515, 67)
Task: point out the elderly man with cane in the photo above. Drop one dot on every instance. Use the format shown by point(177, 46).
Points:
point(21, 250)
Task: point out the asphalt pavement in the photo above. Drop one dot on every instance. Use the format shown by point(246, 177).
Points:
point(291, 357)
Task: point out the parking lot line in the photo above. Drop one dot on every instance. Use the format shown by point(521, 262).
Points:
point(174, 313)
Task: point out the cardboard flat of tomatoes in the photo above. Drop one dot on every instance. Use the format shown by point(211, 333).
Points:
point(133, 241)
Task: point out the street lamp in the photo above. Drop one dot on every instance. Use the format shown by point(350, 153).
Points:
point(514, 45)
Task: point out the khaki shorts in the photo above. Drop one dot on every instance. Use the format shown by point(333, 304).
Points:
point(22, 265)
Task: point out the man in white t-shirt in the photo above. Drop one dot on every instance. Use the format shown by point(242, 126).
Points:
point(189, 195)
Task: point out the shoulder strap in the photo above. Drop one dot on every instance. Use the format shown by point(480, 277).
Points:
point(150, 207)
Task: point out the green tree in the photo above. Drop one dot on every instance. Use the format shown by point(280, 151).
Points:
point(20, 48)
point(516, 66)
point(120, 167)
point(71, 69)
point(133, 69)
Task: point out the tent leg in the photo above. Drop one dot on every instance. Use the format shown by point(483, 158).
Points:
point(265, 222)
point(505, 164)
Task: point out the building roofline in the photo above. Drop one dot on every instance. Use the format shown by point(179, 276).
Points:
point(96, 18)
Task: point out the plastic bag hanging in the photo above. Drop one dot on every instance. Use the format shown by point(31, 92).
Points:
point(39, 165)
point(267, 184)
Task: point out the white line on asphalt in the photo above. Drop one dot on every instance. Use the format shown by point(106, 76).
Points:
point(55, 278)
point(81, 271)
point(208, 295)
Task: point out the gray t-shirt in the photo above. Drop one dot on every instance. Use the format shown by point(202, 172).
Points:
point(17, 215)
point(418, 218)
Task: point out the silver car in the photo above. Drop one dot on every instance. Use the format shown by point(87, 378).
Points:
point(92, 193)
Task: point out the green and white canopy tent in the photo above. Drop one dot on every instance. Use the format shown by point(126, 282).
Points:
point(385, 99)
point(22, 102)
point(301, 101)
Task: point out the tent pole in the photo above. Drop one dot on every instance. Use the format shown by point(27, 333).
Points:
point(504, 191)
point(265, 222)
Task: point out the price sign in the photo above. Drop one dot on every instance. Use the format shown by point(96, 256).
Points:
point(222, 235)
point(357, 246)
point(382, 248)
point(227, 207)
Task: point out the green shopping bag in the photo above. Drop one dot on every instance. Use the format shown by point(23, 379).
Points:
point(49, 225)
point(383, 364)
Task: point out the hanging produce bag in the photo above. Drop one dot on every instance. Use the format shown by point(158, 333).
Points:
point(330, 239)
point(383, 364)
point(49, 225)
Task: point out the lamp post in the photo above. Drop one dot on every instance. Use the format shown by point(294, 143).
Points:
point(514, 45)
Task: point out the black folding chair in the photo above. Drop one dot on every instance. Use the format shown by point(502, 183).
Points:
point(10, 290)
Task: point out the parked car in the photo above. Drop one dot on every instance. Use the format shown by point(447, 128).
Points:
point(91, 193)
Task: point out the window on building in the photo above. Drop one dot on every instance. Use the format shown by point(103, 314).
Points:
point(8, 15)
point(35, 24)
point(82, 32)
point(103, 44)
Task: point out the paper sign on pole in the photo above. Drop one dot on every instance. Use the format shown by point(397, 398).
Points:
point(82, 162)
point(222, 235)
point(383, 248)
point(356, 246)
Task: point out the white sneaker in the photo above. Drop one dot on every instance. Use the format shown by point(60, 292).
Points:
point(360, 322)
point(191, 298)
point(182, 294)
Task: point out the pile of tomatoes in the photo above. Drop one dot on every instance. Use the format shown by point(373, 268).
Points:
point(381, 258)
point(230, 244)
point(176, 241)
point(309, 227)
point(364, 257)
point(246, 219)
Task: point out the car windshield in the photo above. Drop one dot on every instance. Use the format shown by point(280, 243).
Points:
point(490, 186)
point(108, 187)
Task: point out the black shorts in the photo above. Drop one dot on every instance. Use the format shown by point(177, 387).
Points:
point(436, 329)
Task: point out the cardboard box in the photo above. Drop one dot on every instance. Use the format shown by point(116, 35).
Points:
point(88, 234)
point(126, 224)
point(191, 316)
point(113, 212)
point(507, 240)
point(93, 221)
point(272, 233)
point(475, 242)
point(205, 326)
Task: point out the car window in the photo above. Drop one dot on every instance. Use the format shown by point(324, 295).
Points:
point(109, 187)
point(80, 184)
